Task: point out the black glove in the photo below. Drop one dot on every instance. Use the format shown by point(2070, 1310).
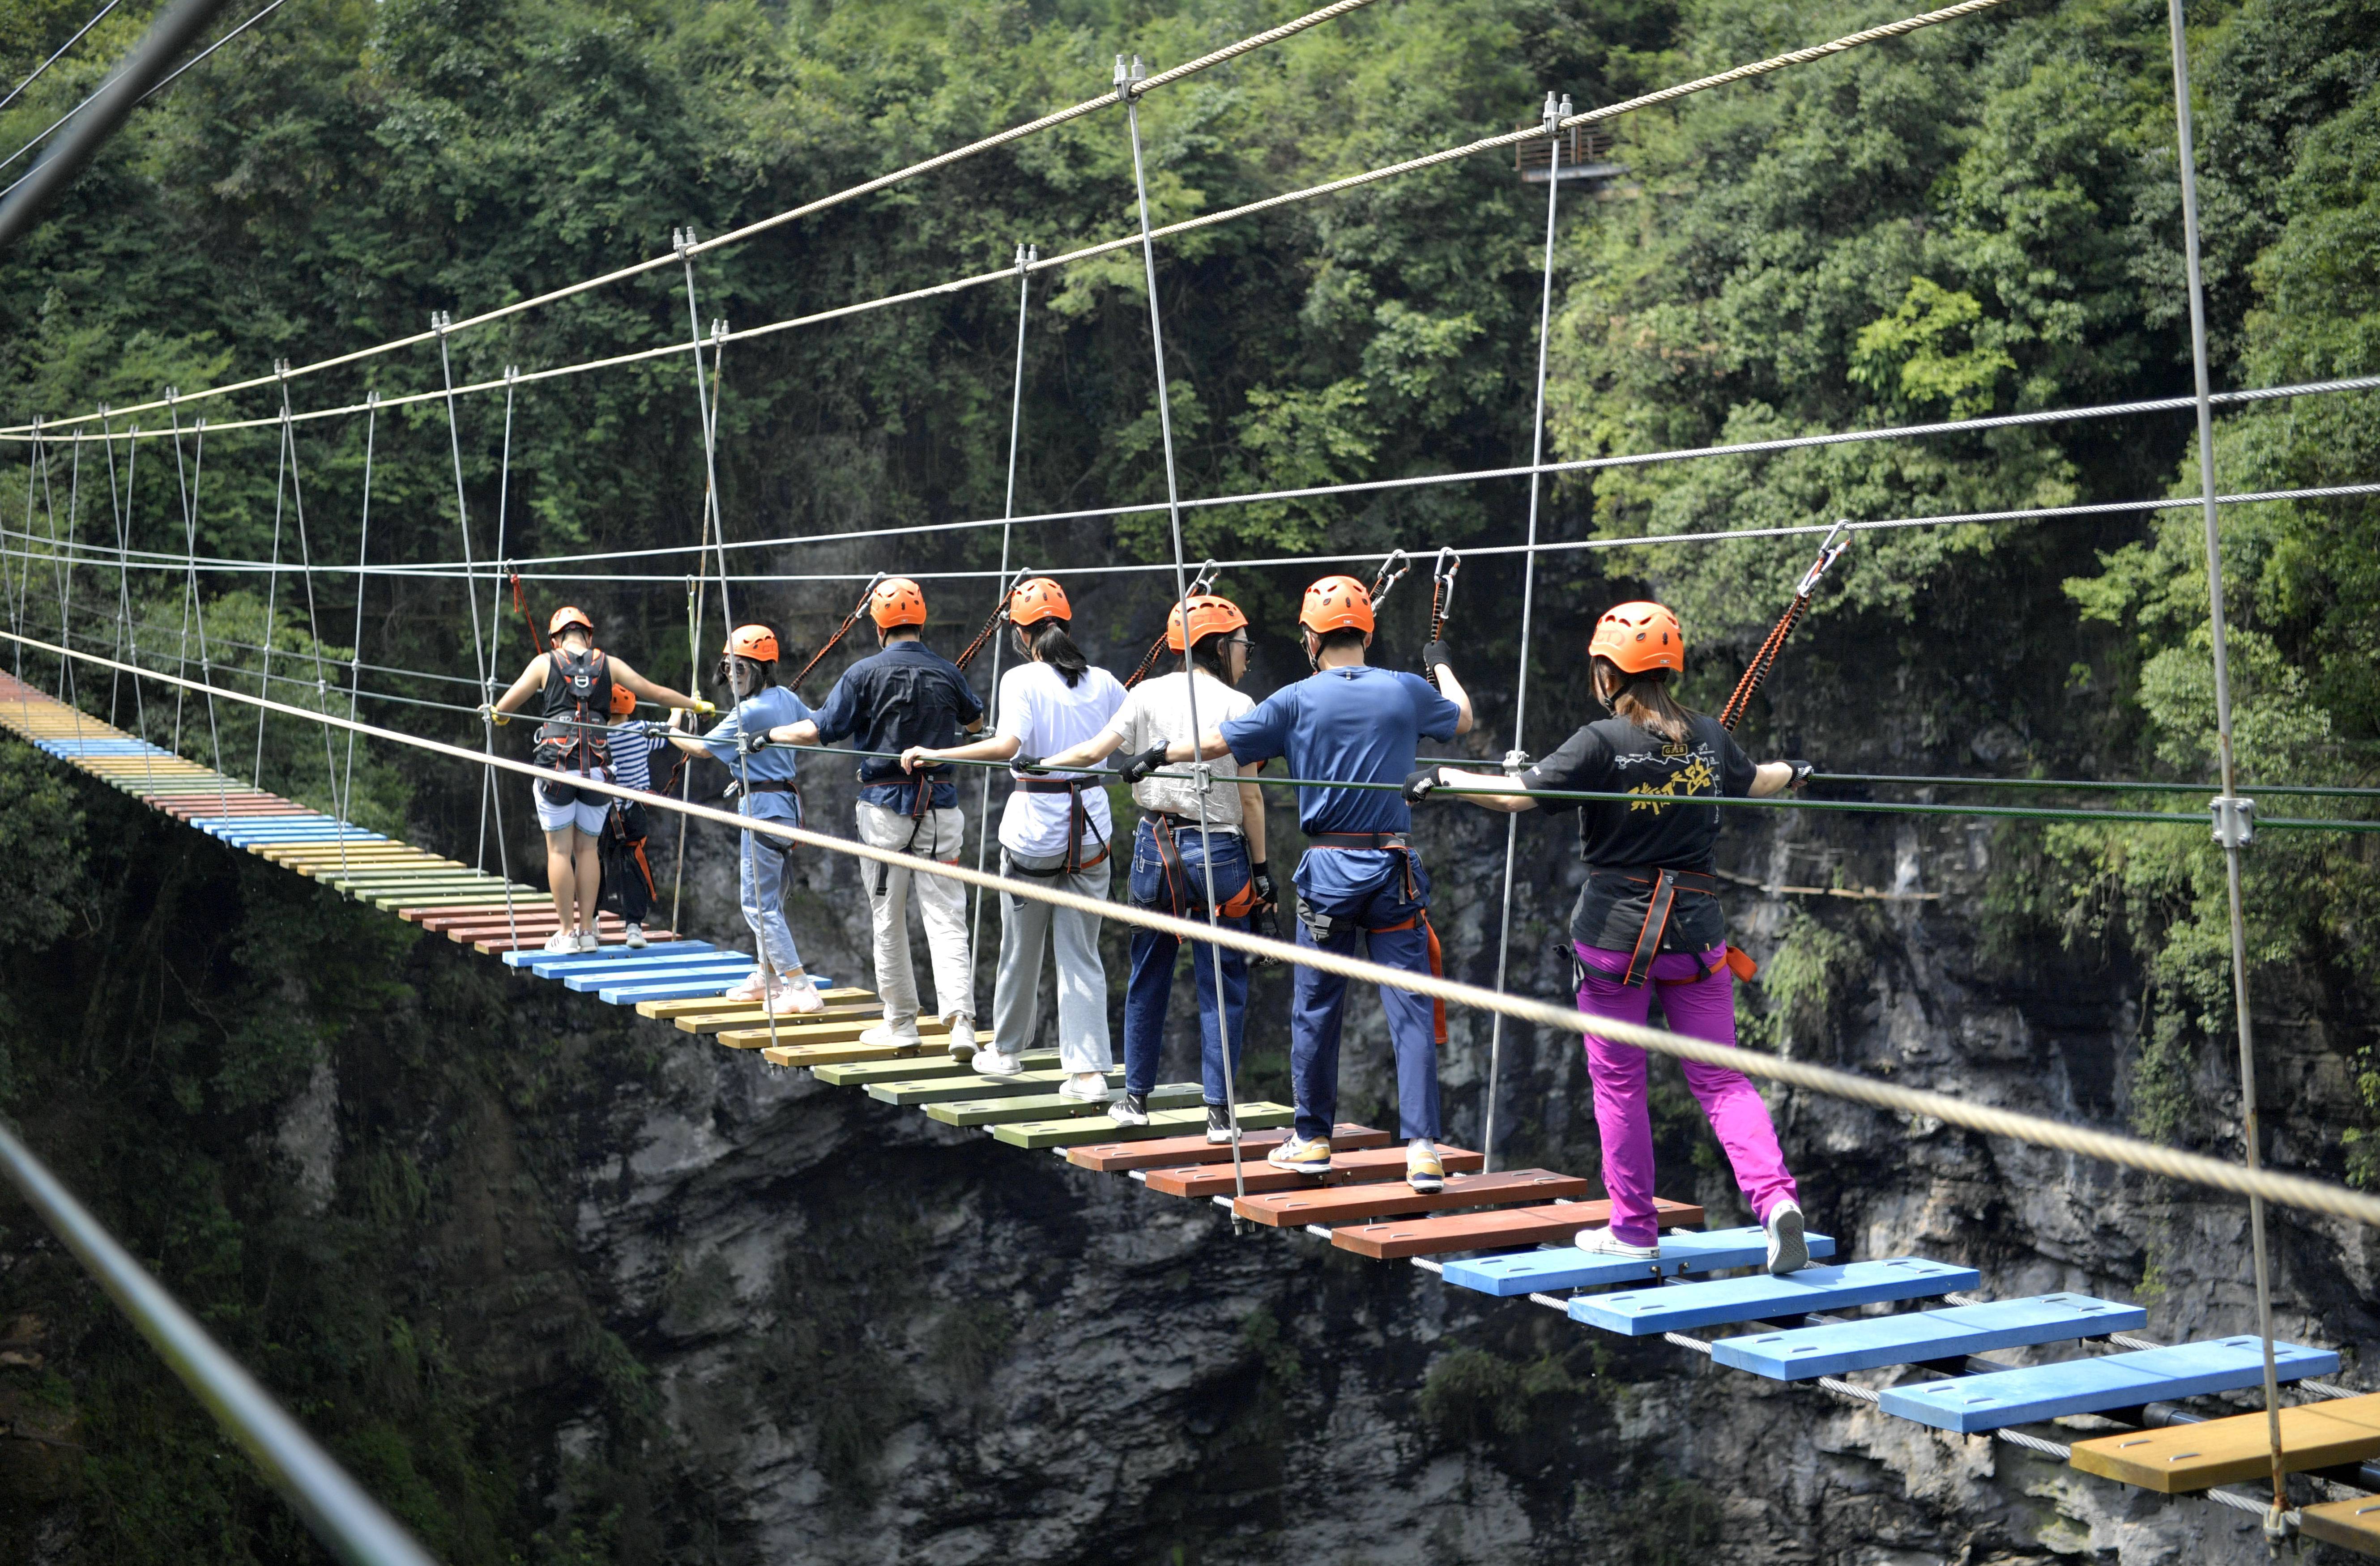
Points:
point(1260, 877)
point(1433, 655)
point(752, 742)
point(1137, 769)
point(1023, 763)
point(1419, 784)
point(1267, 923)
point(1801, 771)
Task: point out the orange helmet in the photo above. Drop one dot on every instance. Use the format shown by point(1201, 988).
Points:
point(896, 601)
point(1208, 616)
point(569, 615)
point(756, 642)
point(1640, 635)
point(1038, 599)
point(623, 700)
point(1337, 603)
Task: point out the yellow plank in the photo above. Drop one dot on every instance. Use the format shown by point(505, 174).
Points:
point(667, 1010)
point(2181, 1458)
point(836, 1054)
point(745, 1014)
point(2350, 1525)
point(841, 1036)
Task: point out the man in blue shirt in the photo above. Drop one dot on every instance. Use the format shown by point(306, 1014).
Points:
point(1351, 723)
point(902, 696)
point(765, 790)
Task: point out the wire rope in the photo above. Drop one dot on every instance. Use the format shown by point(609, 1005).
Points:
point(2232, 824)
point(1554, 115)
point(1025, 256)
point(306, 561)
point(356, 666)
point(2292, 1190)
point(272, 594)
point(17, 91)
point(1203, 775)
point(496, 599)
point(736, 235)
point(193, 605)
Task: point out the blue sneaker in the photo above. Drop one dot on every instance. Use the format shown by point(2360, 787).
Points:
point(1301, 1156)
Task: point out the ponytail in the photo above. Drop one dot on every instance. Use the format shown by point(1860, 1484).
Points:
point(1046, 641)
point(1643, 699)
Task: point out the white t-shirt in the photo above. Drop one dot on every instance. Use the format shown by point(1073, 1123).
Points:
point(1044, 716)
point(1158, 712)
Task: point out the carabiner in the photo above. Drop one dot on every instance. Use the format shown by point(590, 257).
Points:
point(1387, 575)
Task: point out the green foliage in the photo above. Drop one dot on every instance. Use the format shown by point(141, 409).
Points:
point(1473, 1395)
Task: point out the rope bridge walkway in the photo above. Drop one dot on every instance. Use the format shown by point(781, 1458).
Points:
point(1507, 1234)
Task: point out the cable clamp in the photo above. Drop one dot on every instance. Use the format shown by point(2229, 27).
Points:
point(1517, 762)
point(2235, 820)
point(718, 331)
point(1126, 79)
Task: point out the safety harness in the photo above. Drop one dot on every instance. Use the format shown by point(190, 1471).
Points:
point(1078, 826)
point(1319, 927)
point(576, 734)
point(1186, 894)
point(1665, 885)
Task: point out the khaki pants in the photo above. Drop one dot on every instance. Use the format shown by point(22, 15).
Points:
point(1027, 928)
point(942, 903)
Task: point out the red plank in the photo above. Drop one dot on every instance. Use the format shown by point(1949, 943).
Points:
point(1557, 1225)
point(1355, 1204)
point(1114, 1158)
point(1346, 1169)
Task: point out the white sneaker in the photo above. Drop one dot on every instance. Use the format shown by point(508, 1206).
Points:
point(1788, 1250)
point(901, 1036)
point(586, 941)
point(794, 996)
point(562, 942)
point(1087, 1086)
point(1130, 1110)
point(1603, 1243)
point(962, 1039)
point(989, 1061)
point(635, 938)
point(754, 988)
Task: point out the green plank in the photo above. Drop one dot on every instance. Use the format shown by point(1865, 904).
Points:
point(948, 1089)
point(1164, 1123)
point(527, 897)
point(914, 1068)
point(1055, 1106)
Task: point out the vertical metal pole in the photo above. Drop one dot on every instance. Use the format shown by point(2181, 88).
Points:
point(2230, 820)
point(496, 599)
point(1026, 256)
point(439, 323)
point(313, 621)
point(1555, 112)
point(356, 654)
point(1123, 84)
point(272, 578)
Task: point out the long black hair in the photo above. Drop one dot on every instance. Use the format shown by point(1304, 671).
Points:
point(1047, 641)
point(1645, 700)
point(1209, 651)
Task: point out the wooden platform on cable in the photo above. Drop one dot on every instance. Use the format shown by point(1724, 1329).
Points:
point(2181, 1458)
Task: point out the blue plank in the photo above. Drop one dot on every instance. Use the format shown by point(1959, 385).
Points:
point(683, 990)
point(1803, 1352)
point(2084, 1386)
point(1641, 1312)
point(549, 965)
point(1567, 1267)
point(660, 951)
point(690, 972)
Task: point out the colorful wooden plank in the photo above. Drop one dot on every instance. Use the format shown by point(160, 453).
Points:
point(2084, 1386)
point(1369, 1203)
point(2350, 1525)
point(692, 987)
point(814, 1033)
point(1838, 1348)
point(733, 1015)
point(795, 1048)
point(1724, 1302)
point(727, 970)
point(1163, 1125)
point(1353, 1167)
point(1120, 1155)
point(1057, 1106)
point(1501, 1229)
point(1682, 1252)
point(860, 1073)
point(659, 952)
point(916, 1091)
point(2180, 1458)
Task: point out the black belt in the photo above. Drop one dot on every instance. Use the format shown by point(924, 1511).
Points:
point(1393, 840)
point(1666, 884)
point(1187, 823)
point(772, 785)
point(1054, 786)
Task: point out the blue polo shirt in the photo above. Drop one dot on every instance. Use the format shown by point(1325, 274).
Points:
point(760, 712)
point(906, 694)
point(1358, 724)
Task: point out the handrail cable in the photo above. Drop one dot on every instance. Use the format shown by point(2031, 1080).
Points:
point(97, 17)
point(2288, 1190)
point(347, 1520)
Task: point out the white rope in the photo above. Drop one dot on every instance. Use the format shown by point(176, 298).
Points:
point(738, 236)
point(2288, 1189)
point(1025, 254)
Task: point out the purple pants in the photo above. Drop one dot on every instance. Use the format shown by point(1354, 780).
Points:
point(1699, 1011)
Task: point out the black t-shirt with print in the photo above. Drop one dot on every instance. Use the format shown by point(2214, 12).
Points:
point(1623, 842)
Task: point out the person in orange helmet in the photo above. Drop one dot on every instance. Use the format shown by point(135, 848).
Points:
point(632, 747)
point(766, 790)
point(1361, 879)
point(1648, 921)
point(574, 685)
point(1185, 830)
point(903, 694)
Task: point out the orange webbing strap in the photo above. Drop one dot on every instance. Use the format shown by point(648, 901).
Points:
point(1180, 891)
point(520, 602)
point(966, 656)
point(1437, 966)
point(1156, 650)
point(1735, 959)
point(1657, 924)
point(1762, 662)
point(644, 867)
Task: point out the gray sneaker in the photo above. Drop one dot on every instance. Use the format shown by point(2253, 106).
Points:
point(1788, 1250)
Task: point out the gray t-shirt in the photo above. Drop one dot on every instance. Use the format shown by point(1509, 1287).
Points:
point(1158, 712)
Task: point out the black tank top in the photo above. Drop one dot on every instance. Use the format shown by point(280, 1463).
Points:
point(578, 687)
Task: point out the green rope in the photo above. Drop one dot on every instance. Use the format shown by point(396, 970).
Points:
point(1780, 802)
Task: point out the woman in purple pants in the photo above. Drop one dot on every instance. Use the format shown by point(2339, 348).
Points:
point(1648, 918)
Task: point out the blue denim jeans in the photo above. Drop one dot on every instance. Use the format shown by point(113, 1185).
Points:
point(1149, 994)
point(760, 865)
point(1360, 893)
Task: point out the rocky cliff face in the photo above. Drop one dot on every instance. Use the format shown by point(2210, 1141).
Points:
point(564, 1285)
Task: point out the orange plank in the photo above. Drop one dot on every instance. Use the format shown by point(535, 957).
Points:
point(1556, 1224)
point(1115, 1158)
point(1356, 1203)
point(1346, 1169)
